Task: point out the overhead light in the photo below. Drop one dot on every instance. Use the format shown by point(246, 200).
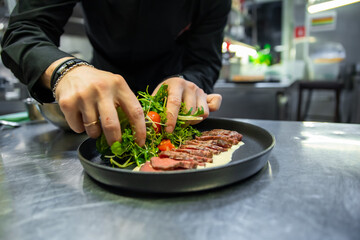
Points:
point(240, 49)
point(319, 7)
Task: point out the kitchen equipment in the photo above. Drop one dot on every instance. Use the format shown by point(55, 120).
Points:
point(33, 110)
point(52, 113)
point(246, 161)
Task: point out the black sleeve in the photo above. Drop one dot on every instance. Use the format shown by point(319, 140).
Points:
point(30, 43)
point(202, 60)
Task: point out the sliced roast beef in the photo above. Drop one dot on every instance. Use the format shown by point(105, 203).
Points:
point(220, 143)
point(146, 167)
point(215, 142)
point(233, 141)
point(183, 156)
point(223, 132)
point(198, 152)
point(171, 164)
point(205, 145)
point(198, 146)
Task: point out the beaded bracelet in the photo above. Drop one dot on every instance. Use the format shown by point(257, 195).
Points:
point(63, 69)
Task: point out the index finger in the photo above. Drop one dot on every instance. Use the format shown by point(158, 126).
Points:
point(173, 106)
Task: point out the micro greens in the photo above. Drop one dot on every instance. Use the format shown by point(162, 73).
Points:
point(126, 153)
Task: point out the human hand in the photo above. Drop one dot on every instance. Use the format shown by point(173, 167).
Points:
point(181, 90)
point(86, 94)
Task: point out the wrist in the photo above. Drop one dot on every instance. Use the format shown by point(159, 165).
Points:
point(175, 76)
point(62, 69)
point(46, 76)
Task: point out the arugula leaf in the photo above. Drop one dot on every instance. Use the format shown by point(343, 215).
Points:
point(184, 112)
point(101, 144)
point(199, 111)
point(162, 94)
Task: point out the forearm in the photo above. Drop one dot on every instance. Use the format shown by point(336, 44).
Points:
point(30, 43)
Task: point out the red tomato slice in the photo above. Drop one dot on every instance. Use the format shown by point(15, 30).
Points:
point(166, 145)
point(155, 117)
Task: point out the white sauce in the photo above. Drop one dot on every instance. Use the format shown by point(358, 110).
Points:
point(222, 158)
point(218, 160)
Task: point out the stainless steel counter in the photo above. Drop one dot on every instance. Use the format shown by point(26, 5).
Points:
point(310, 189)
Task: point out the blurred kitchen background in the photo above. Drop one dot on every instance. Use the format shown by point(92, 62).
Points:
point(282, 60)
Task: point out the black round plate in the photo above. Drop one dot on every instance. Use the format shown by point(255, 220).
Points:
point(246, 161)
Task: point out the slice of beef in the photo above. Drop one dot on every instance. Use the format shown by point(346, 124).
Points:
point(205, 145)
point(183, 156)
point(221, 143)
point(197, 146)
point(222, 132)
point(146, 167)
point(217, 142)
point(198, 152)
point(171, 164)
point(233, 141)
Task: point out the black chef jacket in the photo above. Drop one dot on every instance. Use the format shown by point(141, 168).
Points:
point(143, 40)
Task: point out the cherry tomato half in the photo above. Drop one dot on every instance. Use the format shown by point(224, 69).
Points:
point(165, 145)
point(155, 117)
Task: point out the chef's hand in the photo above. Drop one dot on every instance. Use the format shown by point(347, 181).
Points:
point(86, 94)
point(181, 90)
